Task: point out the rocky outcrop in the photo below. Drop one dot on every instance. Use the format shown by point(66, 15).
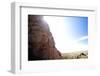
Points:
point(41, 45)
point(75, 55)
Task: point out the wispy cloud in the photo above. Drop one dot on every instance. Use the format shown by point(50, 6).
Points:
point(81, 39)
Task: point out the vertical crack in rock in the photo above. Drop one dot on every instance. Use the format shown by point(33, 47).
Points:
point(41, 45)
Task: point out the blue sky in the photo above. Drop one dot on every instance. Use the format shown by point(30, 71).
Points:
point(78, 27)
point(70, 33)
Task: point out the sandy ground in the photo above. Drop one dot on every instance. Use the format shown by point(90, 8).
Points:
point(75, 55)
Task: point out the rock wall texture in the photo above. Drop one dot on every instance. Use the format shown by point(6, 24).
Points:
point(41, 45)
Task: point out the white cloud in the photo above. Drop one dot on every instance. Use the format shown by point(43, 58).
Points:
point(81, 39)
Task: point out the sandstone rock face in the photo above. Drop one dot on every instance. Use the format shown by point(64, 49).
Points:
point(41, 45)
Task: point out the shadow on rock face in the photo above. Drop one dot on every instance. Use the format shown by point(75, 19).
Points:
point(41, 45)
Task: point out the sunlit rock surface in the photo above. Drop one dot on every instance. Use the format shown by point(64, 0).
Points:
point(75, 55)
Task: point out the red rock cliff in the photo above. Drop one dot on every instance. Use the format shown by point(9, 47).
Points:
point(41, 45)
